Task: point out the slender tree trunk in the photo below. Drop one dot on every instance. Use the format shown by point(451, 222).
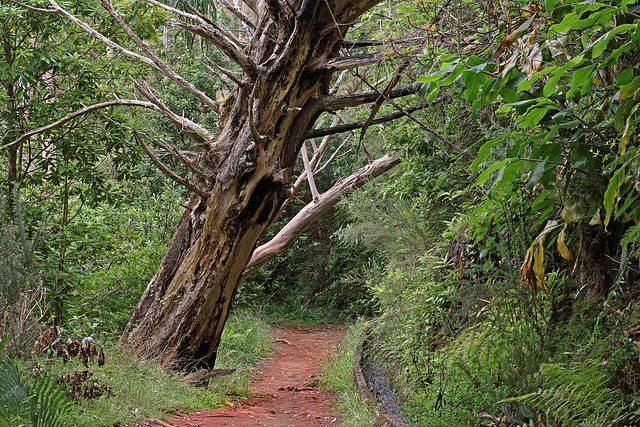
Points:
point(184, 308)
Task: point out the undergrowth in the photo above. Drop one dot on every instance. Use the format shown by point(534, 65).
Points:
point(139, 389)
point(339, 378)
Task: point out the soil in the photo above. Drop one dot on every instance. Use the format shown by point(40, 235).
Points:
point(285, 391)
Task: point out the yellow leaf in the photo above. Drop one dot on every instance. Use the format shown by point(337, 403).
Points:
point(538, 266)
point(562, 247)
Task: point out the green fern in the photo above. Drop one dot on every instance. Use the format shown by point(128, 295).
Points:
point(576, 396)
point(26, 404)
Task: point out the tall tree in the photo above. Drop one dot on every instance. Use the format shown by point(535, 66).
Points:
point(286, 60)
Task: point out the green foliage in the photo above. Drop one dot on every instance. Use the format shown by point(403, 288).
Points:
point(143, 389)
point(577, 396)
point(35, 402)
point(22, 294)
point(119, 251)
point(339, 378)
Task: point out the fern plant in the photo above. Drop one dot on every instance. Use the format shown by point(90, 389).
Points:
point(576, 395)
point(26, 403)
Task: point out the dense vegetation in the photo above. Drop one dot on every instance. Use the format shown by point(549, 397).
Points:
point(496, 268)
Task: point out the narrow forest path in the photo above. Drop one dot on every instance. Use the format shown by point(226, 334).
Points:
point(285, 391)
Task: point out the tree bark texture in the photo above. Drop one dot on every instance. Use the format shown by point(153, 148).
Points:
point(287, 66)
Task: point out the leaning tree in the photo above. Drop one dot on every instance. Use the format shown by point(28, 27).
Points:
point(288, 63)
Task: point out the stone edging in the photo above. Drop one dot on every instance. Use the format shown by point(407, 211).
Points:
point(385, 418)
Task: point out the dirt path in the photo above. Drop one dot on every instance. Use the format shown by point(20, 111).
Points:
point(285, 390)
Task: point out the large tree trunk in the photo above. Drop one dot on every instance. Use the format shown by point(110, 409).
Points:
point(287, 71)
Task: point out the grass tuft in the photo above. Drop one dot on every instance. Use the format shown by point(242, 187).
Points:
point(142, 389)
point(339, 378)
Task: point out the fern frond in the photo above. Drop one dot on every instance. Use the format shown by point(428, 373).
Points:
point(575, 396)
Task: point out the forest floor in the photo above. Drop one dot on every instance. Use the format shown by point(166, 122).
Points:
point(285, 391)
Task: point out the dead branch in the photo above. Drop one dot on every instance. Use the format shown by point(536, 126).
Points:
point(224, 71)
point(36, 9)
point(102, 38)
point(252, 4)
point(178, 155)
point(353, 44)
point(165, 170)
point(357, 125)
point(419, 122)
point(349, 62)
point(191, 129)
point(333, 103)
point(232, 51)
point(378, 103)
point(237, 12)
point(294, 228)
point(78, 113)
point(309, 171)
point(213, 106)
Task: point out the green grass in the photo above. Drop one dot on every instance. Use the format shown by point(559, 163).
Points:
point(339, 378)
point(143, 389)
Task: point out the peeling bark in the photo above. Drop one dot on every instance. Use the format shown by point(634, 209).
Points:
point(287, 70)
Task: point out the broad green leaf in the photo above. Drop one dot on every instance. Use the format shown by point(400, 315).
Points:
point(611, 194)
point(550, 86)
point(527, 84)
point(580, 78)
point(601, 44)
point(535, 174)
point(484, 176)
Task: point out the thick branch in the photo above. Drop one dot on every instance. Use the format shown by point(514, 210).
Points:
point(80, 112)
point(333, 103)
point(158, 62)
point(288, 235)
point(359, 124)
point(165, 170)
point(349, 62)
point(351, 44)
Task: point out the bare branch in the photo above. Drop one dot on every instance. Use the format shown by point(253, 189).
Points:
point(352, 44)
point(420, 122)
point(378, 103)
point(158, 62)
point(239, 14)
point(224, 71)
point(165, 170)
point(193, 130)
point(175, 153)
point(252, 4)
point(357, 125)
point(77, 113)
point(232, 51)
point(309, 172)
point(102, 38)
point(349, 62)
point(333, 103)
point(288, 235)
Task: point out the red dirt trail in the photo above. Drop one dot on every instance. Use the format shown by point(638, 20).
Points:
point(285, 390)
